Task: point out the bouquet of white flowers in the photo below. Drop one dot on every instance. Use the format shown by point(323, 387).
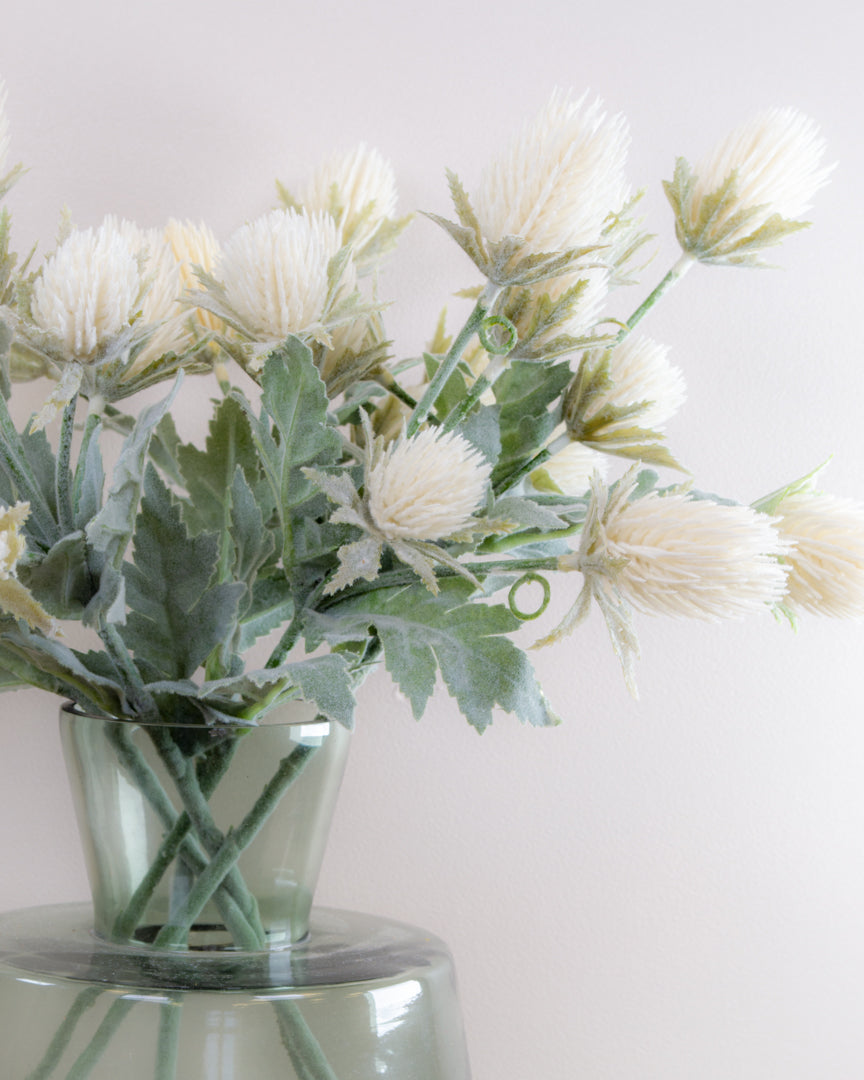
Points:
point(350, 506)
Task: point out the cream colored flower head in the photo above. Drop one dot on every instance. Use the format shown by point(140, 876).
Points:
point(417, 491)
point(275, 272)
point(561, 177)
point(675, 555)
point(426, 487)
point(90, 288)
point(826, 563)
point(751, 190)
point(194, 245)
point(12, 543)
point(358, 189)
point(15, 599)
point(640, 371)
point(569, 471)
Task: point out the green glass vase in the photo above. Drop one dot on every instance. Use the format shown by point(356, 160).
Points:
point(199, 959)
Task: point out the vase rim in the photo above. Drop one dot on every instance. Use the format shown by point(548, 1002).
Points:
point(74, 711)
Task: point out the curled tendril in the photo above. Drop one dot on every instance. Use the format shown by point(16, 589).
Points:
point(529, 579)
point(497, 344)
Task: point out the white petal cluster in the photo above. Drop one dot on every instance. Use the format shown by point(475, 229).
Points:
point(194, 245)
point(89, 288)
point(694, 558)
point(777, 157)
point(360, 186)
point(826, 575)
point(274, 271)
point(561, 177)
point(426, 487)
point(641, 372)
point(12, 543)
point(571, 469)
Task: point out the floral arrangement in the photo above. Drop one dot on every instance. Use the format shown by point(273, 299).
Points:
point(376, 505)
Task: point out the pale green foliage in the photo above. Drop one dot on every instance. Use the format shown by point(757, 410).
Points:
point(283, 522)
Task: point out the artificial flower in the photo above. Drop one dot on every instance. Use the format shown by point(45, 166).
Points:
point(751, 190)
point(826, 560)
point(15, 599)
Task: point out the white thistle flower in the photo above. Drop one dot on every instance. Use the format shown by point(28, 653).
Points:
point(569, 471)
point(751, 190)
point(358, 189)
point(826, 574)
point(275, 272)
point(560, 179)
point(417, 491)
point(641, 372)
point(694, 558)
point(89, 289)
point(426, 487)
point(194, 245)
point(15, 599)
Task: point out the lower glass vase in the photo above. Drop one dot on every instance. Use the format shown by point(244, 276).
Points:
point(199, 959)
point(359, 999)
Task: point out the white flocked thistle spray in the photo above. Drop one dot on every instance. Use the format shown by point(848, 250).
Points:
point(348, 506)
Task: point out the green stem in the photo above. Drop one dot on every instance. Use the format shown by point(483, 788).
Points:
point(501, 544)
point(233, 907)
point(94, 1050)
point(448, 364)
point(519, 474)
point(224, 860)
point(169, 1038)
point(172, 846)
point(91, 425)
point(484, 382)
point(182, 770)
point(63, 1036)
point(303, 1049)
point(675, 274)
point(63, 472)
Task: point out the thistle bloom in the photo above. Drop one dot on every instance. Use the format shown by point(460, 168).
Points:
point(426, 487)
point(826, 563)
point(275, 272)
point(358, 189)
point(89, 289)
point(15, 599)
point(559, 180)
point(675, 555)
point(569, 471)
point(641, 372)
point(194, 245)
point(417, 490)
point(751, 190)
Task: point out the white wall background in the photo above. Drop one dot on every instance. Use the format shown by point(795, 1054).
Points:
point(667, 890)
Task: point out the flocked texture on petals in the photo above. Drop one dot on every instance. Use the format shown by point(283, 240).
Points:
point(826, 575)
point(562, 176)
point(274, 271)
point(426, 487)
point(641, 372)
point(695, 558)
point(89, 288)
point(776, 156)
point(194, 245)
point(358, 187)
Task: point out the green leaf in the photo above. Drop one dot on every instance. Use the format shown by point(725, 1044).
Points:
point(61, 582)
point(526, 391)
point(208, 474)
point(271, 606)
point(176, 616)
point(292, 431)
point(109, 533)
point(89, 480)
point(422, 634)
